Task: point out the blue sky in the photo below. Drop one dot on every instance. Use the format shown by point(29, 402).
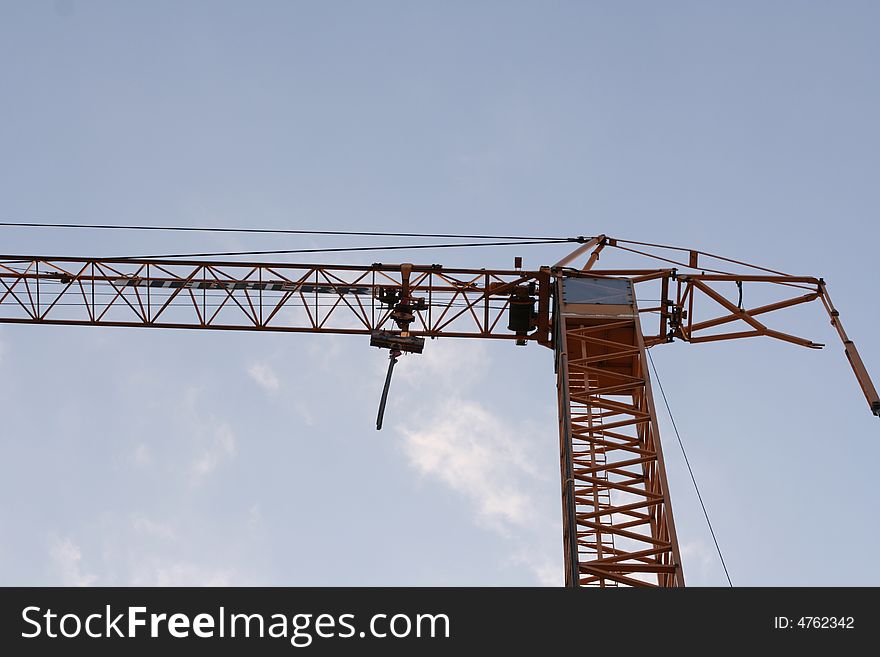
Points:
point(147, 457)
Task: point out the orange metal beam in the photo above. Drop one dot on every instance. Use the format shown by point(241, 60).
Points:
point(610, 452)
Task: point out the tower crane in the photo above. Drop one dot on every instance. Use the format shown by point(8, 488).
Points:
point(617, 523)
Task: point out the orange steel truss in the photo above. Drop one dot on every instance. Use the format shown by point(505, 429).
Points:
point(341, 299)
point(618, 528)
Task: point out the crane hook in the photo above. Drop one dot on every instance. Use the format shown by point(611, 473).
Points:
point(392, 361)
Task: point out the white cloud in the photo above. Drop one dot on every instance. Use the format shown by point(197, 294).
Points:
point(265, 376)
point(475, 454)
point(497, 466)
point(66, 559)
point(461, 442)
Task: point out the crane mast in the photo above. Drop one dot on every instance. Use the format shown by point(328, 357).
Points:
point(618, 527)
